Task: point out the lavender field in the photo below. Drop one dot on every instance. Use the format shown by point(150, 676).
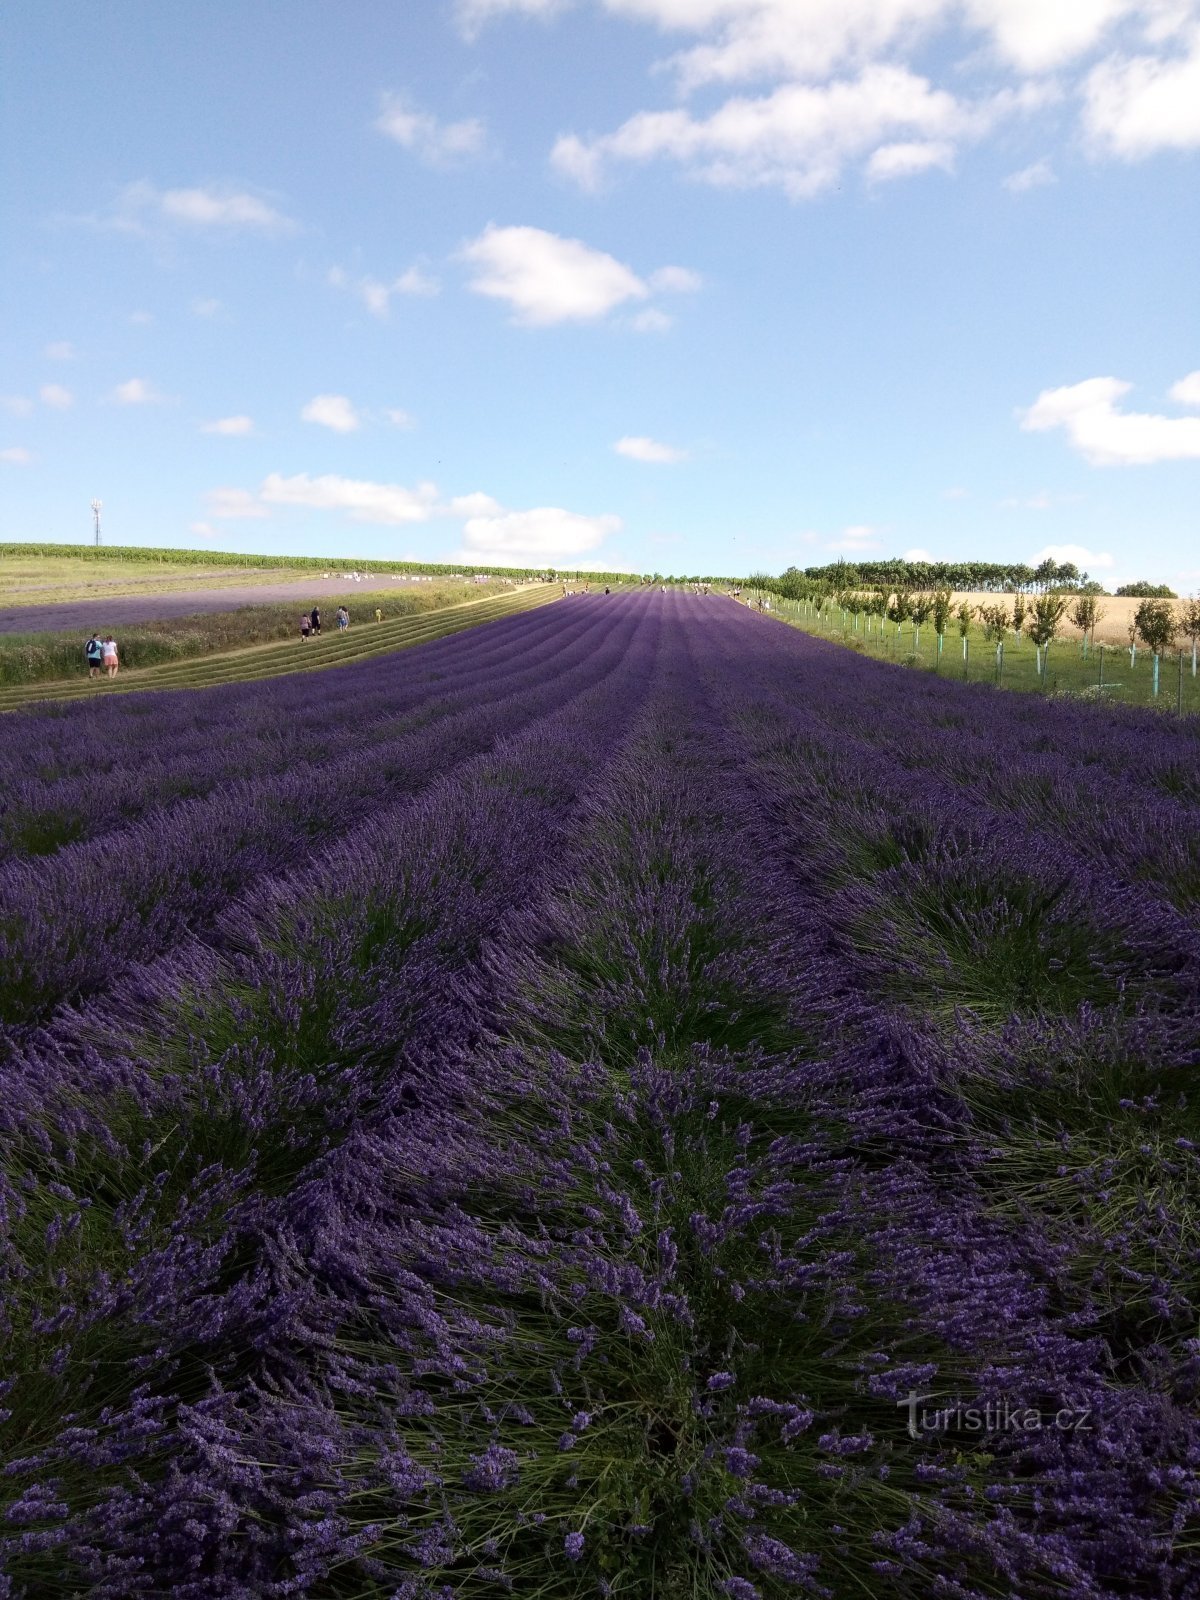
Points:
point(626, 1100)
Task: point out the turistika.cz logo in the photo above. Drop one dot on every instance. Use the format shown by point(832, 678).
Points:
point(990, 1416)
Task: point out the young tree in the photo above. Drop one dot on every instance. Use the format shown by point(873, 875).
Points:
point(1189, 624)
point(1048, 610)
point(964, 624)
point(1018, 614)
point(920, 607)
point(1132, 631)
point(941, 615)
point(1155, 623)
point(995, 622)
point(900, 607)
point(1086, 614)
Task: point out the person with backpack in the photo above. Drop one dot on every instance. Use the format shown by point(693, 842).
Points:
point(305, 625)
point(94, 652)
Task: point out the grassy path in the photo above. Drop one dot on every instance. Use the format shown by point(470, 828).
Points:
point(331, 649)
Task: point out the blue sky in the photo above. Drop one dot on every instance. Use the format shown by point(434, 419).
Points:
point(689, 285)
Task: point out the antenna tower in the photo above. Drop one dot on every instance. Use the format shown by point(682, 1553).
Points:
point(96, 504)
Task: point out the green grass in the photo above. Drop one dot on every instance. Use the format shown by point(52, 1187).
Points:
point(1105, 673)
point(332, 649)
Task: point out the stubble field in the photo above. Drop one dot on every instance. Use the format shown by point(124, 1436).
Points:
point(625, 1100)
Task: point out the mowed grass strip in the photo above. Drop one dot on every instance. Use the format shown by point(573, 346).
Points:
point(331, 649)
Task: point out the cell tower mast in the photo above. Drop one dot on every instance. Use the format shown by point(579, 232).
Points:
point(96, 504)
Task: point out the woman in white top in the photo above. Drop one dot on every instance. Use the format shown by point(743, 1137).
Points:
point(109, 656)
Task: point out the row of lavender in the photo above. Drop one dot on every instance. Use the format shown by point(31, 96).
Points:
point(554, 1173)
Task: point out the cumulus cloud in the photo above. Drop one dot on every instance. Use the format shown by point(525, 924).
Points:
point(641, 448)
point(17, 405)
point(56, 397)
point(1106, 436)
point(472, 14)
point(676, 280)
point(436, 143)
point(956, 493)
point(548, 279)
point(388, 504)
point(801, 136)
point(545, 534)
point(400, 419)
point(16, 456)
point(202, 530)
point(907, 158)
point(137, 392)
point(332, 411)
point(235, 505)
point(859, 536)
point(917, 555)
point(652, 320)
point(140, 206)
point(475, 505)
point(1086, 560)
point(1187, 390)
point(1137, 105)
point(377, 295)
point(60, 350)
point(232, 427)
point(1035, 176)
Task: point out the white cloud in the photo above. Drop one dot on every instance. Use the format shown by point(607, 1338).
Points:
point(331, 411)
point(235, 505)
point(60, 350)
point(56, 397)
point(676, 280)
point(1187, 390)
point(377, 295)
point(472, 14)
point(203, 530)
point(17, 405)
point(232, 427)
point(859, 536)
point(363, 501)
point(16, 456)
point(1043, 500)
point(905, 159)
point(205, 308)
point(917, 555)
point(546, 534)
point(1136, 105)
point(475, 505)
point(438, 143)
point(548, 279)
point(652, 320)
point(1106, 436)
point(400, 419)
point(956, 493)
point(1036, 176)
point(141, 319)
point(1086, 560)
point(218, 206)
point(802, 136)
point(641, 448)
point(137, 392)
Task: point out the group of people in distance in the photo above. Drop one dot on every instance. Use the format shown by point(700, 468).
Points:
point(101, 656)
point(310, 621)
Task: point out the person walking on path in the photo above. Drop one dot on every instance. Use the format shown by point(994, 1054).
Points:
point(94, 651)
point(315, 619)
point(343, 617)
point(305, 626)
point(109, 657)
point(378, 614)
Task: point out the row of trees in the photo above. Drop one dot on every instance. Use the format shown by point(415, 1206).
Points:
point(1002, 577)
